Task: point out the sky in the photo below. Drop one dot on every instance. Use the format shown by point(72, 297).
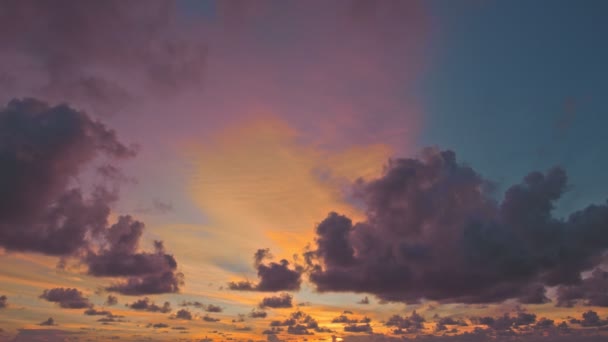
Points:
point(341, 170)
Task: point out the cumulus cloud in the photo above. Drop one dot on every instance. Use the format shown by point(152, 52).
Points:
point(411, 323)
point(3, 301)
point(298, 323)
point(149, 273)
point(183, 314)
point(213, 308)
point(433, 231)
point(145, 304)
point(42, 149)
point(284, 300)
point(273, 276)
point(68, 298)
point(591, 291)
point(258, 313)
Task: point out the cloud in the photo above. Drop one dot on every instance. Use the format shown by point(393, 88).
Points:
point(361, 328)
point(298, 323)
point(506, 322)
point(3, 301)
point(111, 300)
point(284, 300)
point(50, 321)
point(273, 276)
point(590, 319)
point(591, 291)
point(432, 230)
point(183, 314)
point(149, 273)
point(145, 304)
point(258, 313)
point(103, 55)
point(68, 298)
point(42, 150)
point(411, 323)
point(364, 301)
point(213, 308)
point(208, 318)
point(95, 312)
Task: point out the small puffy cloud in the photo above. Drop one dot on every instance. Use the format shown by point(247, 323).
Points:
point(145, 304)
point(68, 298)
point(95, 312)
point(111, 300)
point(208, 318)
point(273, 276)
point(258, 313)
point(49, 322)
point(183, 314)
point(284, 300)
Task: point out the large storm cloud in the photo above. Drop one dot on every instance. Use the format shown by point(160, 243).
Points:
point(433, 231)
point(42, 150)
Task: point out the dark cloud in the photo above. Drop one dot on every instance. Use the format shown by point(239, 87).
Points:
point(42, 149)
point(591, 291)
point(145, 304)
point(195, 304)
point(364, 301)
point(241, 286)
point(50, 321)
point(506, 322)
point(411, 323)
point(433, 231)
point(208, 318)
point(95, 312)
point(148, 273)
point(68, 298)
point(298, 323)
point(3, 301)
point(213, 308)
point(183, 314)
point(111, 300)
point(104, 55)
point(159, 325)
point(590, 319)
point(361, 328)
point(258, 313)
point(273, 276)
point(284, 300)
point(260, 255)
point(451, 321)
point(347, 320)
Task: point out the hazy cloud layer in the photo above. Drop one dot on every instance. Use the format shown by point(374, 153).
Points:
point(102, 55)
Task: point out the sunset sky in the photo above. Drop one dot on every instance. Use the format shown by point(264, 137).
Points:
point(340, 170)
